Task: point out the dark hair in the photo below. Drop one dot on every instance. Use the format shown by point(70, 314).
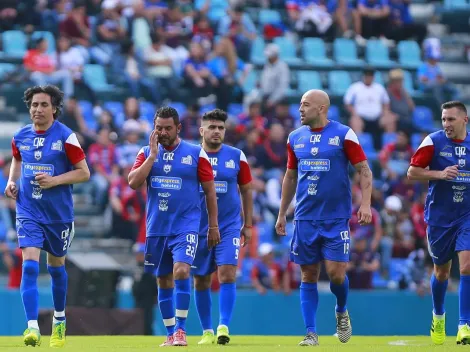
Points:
point(57, 97)
point(167, 112)
point(368, 71)
point(215, 115)
point(155, 38)
point(455, 104)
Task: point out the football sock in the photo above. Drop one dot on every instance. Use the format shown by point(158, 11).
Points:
point(204, 308)
point(29, 292)
point(183, 296)
point(226, 302)
point(464, 300)
point(309, 305)
point(341, 292)
point(59, 290)
point(167, 309)
point(438, 289)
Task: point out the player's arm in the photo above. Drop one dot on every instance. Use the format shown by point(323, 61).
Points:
point(246, 194)
point(79, 174)
point(142, 166)
point(11, 191)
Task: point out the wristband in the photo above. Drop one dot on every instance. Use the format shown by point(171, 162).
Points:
point(213, 228)
point(248, 227)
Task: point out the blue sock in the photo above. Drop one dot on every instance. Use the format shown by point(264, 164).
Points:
point(464, 299)
point(29, 290)
point(309, 305)
point(438, 289)
point(59, 290)
point(226, 302)
point(183, 296)
point(167, 309)
point(341, 293)
point(204, 308)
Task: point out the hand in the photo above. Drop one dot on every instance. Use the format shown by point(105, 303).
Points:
point(213, 237)
point(45, 181)
point(153, 143)
point(261, 290)
point(10, 190)
point(246, 235)
point(281, 225)
point(449, 173)
point(364, 215)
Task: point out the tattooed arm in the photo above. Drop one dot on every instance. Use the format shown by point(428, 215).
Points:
point(364, 214)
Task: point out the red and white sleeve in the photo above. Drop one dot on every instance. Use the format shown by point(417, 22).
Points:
point(14, 150)
point(244, 175)
point(139, 159)
point(423, 156)
point(353, 149)
point(73, 150)
point(291, 158)
point(204, 168)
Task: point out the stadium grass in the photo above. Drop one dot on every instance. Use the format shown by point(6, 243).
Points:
point(241, 343)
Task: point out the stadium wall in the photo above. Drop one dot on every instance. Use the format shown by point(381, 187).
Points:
point(372, 313)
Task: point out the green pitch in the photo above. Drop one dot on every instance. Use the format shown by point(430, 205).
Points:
point(241, 343)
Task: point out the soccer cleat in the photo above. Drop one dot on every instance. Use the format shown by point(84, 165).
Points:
point(179, 338)
point(463, 336)
point(438, 330)
point(32, 337)
point(343, 326)
point(168, 342)
point(58, 335)
point(208, 338)
point(223, 337)
point(311, 339)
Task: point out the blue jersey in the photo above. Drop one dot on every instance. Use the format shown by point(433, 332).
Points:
point(52, 152)
point(322, 158)
point(447, 202)
point(173, 201)
point(230, 169)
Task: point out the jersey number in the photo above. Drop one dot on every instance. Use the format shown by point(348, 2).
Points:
point(190, 251)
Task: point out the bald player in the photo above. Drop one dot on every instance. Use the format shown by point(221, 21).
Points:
point(319, 154)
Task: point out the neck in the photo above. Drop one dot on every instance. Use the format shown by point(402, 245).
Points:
point(42, 127)
point(461, 136)
point(176, 142)
point(211, 148)
point(320, 123)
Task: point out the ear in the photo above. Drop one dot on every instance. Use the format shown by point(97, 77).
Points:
point(201, 131)
point(178, 128)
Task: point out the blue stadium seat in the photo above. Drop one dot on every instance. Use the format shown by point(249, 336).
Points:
point(245, 272)
point(257, 51)
point(334, 113)
point(423, 119)
point(408, 82)
point(147, 110)
point(208, 107)
point(294, 111)
point(95, 76)
point(339, 82)
point(288, 50)
point(51, 45)
point(267, 16)
point(308, 80)
point(397, 268)
point(456, 4)
point(265, 232)
point(314, 52)
point(416, 139)
point(87, 111)
point(14, 43)
point(235, 109)
point(250, 81)
point(345, 53)
point(389, 137)
point(180, 107)
point(367, 143)
point(379, 78)
point(6, 68)
point(409, 54)
point(116, 108)
point(377, 54)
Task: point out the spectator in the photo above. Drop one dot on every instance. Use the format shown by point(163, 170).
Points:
point(313, 18)
point(417, 217)
point(72, 117)
point(76, 27)
point(401, 25)
point(272, 153)
point(190, 123)
point(275, 78)
point(374, 17)
point(369, 101)
point(371, 232)
point(281, 115)
point(215, 10)
point(203, 33)
point(254, 118)
point(395, 157)
point(266, 273)
point(8, 14)
point(401, 104)
point(364, 262)
point(132, 112)
point(393, 206)
point(130, 147)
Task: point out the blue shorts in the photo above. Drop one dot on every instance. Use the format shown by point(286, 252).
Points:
point(225, 253)
point(315, 241)
point(53, 238)
point(163, 251)
point(443, 242)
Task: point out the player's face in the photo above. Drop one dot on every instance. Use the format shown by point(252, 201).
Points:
point(41, 110)
point(213, 132)
point(309, 111)
point(454, 123)
point(167, 130)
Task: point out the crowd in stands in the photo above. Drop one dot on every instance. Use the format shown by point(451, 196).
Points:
point(197, 55)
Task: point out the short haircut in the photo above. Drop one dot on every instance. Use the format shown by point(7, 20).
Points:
point(57, 97)
point(215, 115)
point(455, 104)
point(167, 112)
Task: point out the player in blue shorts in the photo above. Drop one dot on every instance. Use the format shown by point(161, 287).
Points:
point(173, 170)
point(47, 161)
point(319, 154)
point(231, 173)
point(442, 160)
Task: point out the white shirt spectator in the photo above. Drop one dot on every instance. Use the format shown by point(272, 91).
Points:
point(165, 53)
point(367, 101)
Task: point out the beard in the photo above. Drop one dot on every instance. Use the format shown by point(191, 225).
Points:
point(167, 142)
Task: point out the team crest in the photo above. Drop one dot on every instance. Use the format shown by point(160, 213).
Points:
point(167, 168)
point(314, 151)
point(461, 162)
point(37, 155)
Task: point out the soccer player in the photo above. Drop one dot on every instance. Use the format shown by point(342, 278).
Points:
point(173, 170)
point(319, 154)
point(231, 173)
point(442, 160)
point(47, 161)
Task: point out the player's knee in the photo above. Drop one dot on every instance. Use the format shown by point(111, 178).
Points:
point(465, 268)
point(55, 261)
point(442, 274)
point(31, 253)
point(310, 273)
point(202, 283)
point(337, 277)
point(165, 281)
point(181, 271)
point(227, 274)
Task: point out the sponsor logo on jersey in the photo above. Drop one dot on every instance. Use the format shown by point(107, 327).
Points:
point(446, 154)
point(38, 155)
point(24, 147)
point(214, 161)
point(461, 162)
point(462, 177)
point(187, 160)
point(57, 146)
point(315, 138)
point(162, 182)
point(230, 164)
point(313, 178)
point(167, 168)
point(163, 205)
point(297, 146)
point(312, 189)
point(31, 170)
point(460, 151)
point(334, 141)
point(164, 195)
point(315, 165)
point(314, 151)
point(38, 142)
point(221, 186)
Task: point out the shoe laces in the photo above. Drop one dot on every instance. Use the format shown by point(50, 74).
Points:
point(311, 336)
point(180, 334)
point(439, 325)
point(60, 330)
point(342, 322)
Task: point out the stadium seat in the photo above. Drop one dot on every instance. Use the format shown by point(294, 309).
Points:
point(116, 108)
point(397, 268)
point(314, 52)
point(51, 45)
point(95, 76)
point(377, 54)
point(14, 44)
point(409, 54)
point(423, 119)
point(147, 110)
point(180, 107)
point(250, 82)
point(308, 80)
point(87, 111)
point(389, 137)
point(379, 78)
point(294, 111)
point(339, 82)
point(367, 143)
point(345, 53)
point(265, 232)
point(235, 109)
point(206, 108)
point(257, 51)
point(267, 16)
point(288, 50)
point(416, 139)
point(456, 4)
point(245, 272)
point(334, 113)
point(408, 82)
point(5, 69)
